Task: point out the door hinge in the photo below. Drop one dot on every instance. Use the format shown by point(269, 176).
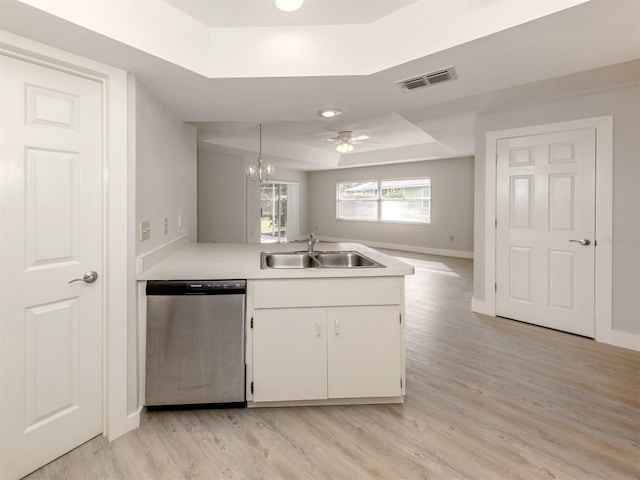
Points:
point(400, 382)
point(495, 287)
point(251, 387)
point(595, 243)
point(496, 223)
point(400, 315)
point(251, 322)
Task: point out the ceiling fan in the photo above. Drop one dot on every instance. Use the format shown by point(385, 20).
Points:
point(346, 140)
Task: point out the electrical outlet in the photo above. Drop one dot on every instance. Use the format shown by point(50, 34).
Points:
point(166, 225)
point(145, 230)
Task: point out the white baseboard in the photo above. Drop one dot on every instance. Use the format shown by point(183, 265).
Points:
point(132, 422)
point(619, 339)
point(395, 246)
point(480, 306)
point(151, 258)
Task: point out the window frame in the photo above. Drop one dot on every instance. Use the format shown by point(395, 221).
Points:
point(379, 201)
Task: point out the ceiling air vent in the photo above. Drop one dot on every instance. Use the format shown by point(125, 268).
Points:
point(427, 79)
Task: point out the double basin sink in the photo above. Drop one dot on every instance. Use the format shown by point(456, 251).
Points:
point(343, 259)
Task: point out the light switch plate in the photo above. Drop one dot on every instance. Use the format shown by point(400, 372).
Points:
point(145, 230)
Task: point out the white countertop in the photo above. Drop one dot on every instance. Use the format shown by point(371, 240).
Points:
point(201, 261)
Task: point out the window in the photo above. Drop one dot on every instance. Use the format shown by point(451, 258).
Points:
point(358, 201)
point(404, 201)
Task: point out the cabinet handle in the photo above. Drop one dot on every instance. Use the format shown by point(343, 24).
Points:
point(317, 328)
point(337, 324)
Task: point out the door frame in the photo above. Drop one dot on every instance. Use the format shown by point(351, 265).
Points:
point(121, 410)
point(603, 301)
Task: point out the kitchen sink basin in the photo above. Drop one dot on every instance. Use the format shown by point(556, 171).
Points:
point(287, 260)
point(345, 260)
point(316, 260)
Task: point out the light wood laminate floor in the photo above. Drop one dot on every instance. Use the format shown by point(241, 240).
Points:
point(487, 398)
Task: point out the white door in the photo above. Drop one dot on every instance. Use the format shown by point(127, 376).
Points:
point(376, 369)
point(51, 145)
point(545, 230)
point(289, 355)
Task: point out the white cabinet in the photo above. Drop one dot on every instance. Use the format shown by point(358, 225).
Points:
point(327, 353)
point(364, 354)
point(325, 341)
point(289, 355)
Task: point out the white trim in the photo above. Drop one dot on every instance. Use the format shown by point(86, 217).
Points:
point(604, 229)
point(121, 226)
point(118, 273)
point(141, 293)
point(280, 182)
point(395, 246)
point(480, 306)
point(618, 338)
point(604, 223)
point(148, 259)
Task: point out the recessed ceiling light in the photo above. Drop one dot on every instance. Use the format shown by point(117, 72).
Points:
point(289, 5)
point(329, 112)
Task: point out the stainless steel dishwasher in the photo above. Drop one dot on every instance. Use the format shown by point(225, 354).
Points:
point(195, 343)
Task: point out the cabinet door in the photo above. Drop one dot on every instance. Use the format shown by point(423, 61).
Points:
point(289, 355)
point(364, 352)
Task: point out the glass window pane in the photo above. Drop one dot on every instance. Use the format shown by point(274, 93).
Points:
point(406, 200)
point(355, 190)
point(410, 211)
point(357, 200)
point(358, 210)
point(413, 188)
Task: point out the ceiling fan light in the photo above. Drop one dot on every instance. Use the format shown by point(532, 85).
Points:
point(289, 5)
point(344, 147)
point(329, 112)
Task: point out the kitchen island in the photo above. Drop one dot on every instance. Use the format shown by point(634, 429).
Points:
point(314, 336)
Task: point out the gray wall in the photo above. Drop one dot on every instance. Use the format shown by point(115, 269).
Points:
point(165, 152)
point(229, 203)
point(162, 149)
point(624, 105)
point(221, 197)
point(451, 207)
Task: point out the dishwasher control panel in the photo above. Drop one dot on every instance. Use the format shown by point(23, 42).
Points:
point(196, 287)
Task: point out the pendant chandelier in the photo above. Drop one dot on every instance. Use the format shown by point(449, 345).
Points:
point(260, 172)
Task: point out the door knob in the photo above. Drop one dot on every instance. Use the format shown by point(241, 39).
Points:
point(582, 241)
point(88, 277)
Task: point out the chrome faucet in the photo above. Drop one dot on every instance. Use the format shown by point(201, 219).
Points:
point(312, 242)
